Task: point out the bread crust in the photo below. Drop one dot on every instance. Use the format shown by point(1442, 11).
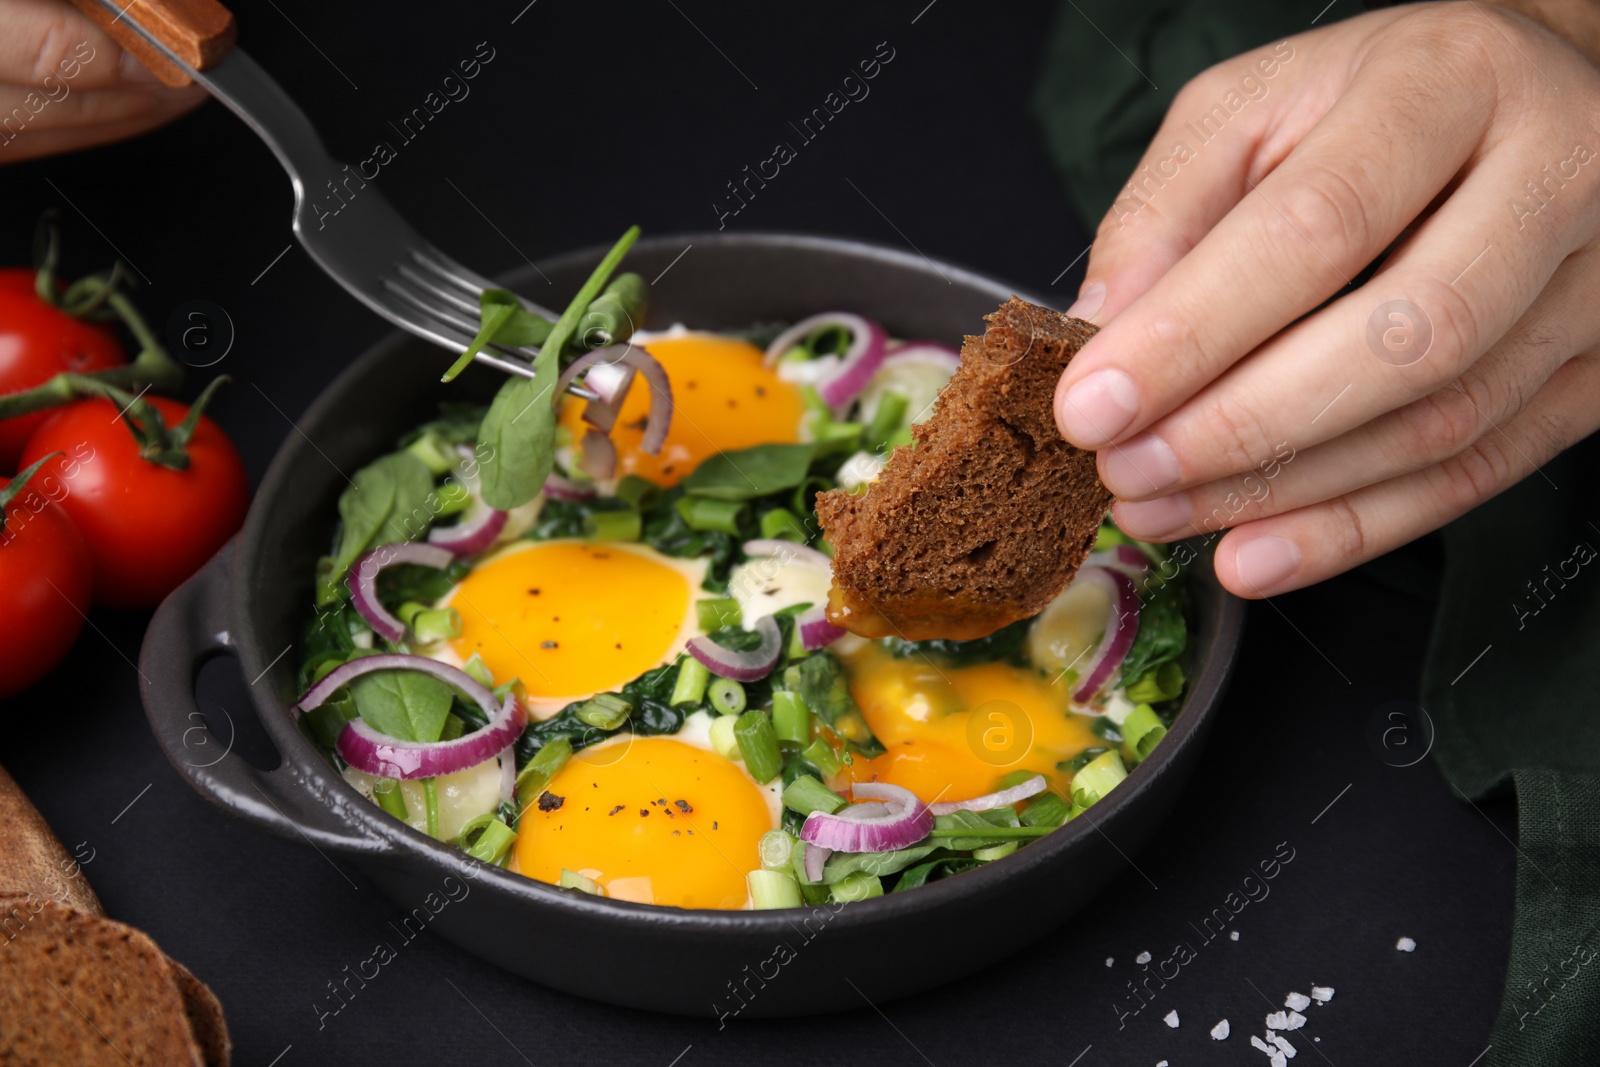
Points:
point(989, 515)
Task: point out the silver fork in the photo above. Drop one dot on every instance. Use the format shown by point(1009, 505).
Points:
point(365, 245)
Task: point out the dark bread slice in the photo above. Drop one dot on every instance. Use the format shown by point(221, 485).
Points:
point(206, 1021)
point(989, 515)
point(80, 989)
point(32, 859)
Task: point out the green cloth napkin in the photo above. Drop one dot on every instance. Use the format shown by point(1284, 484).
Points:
point(1521, 574)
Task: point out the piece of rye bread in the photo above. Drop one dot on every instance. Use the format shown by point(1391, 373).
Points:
point(986, 518)
point(32, 859)
point(76, 988)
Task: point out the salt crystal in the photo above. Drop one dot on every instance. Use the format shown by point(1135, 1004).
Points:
point(1171, 1018)
point(1256, 1042)
point(1233, 935)
point(1278, 1060)
point(1295, 1021)
point(1297, 1001)
point(1143, 957)
point(1277, 1021)
point(1405, 944)
point(1163, 1063)
point(1321, 993)
point(1220, 1031)
point(1283, 1044)
point(1110, 961)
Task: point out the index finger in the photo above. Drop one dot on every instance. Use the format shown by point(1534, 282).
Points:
point(47, 44)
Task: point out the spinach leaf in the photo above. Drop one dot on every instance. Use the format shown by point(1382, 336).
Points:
point(751, 472)
point(386, 501)
point(363, 509)
point(978, 822)
point(652, 716)
point(826, 691)
point(519, 435)
point(407, 705)
point(923, 873)
point(1006, 645)
point(413, 484)
point(1163, 633)
point(841, 864)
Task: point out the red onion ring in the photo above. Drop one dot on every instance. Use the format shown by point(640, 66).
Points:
point(597, 455)
point(868, 345)
point(899, 823)
point(1123, 558)
point(815, 629)
point(1122, 624)
point(741, 666)
point(655, 375)
point(475, 531)
point(363, 581)
point(925, 352)
point(609, 381)
point(559, 488)
point(508, 777)
point(816, 859)
point(337, 678)
point(989, 801)
point(596, 361)
point(776, 548)
point(367, 750)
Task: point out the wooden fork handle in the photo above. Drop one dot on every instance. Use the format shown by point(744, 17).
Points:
point(199, 32)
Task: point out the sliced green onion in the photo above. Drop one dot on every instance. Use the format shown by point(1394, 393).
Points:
point(430, 796)
point(1047, 809)
point(797, 867)
point(615, 525)
point(453, 499)
point(435, 454)
point(436, 624)
point(780, 524)
point(791, 720)
point(605, 711)
point(773, 889)
point(797, 644)
point(640, 492)
point(776, 849)
point(486, 838)
point(1097, 778)
point(758, 743)
point(837, 436)
point(717, 613)
point(857, 885)
point(454, 727)
point(724, 741)
point(995, 852)
point(997, 832)
point(690, 688)
point(704, 513)
point(541, 769)
point(727, 696)
point(1141, 731)
point(1158, 684)
point(821, 755)
point(1014, 778)
point(574, 880)
point(805, 795)
point(390, 797)
point(886, 420)
point(478, 670)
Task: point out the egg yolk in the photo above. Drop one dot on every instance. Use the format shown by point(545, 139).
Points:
point(570, 618)
point(952, 732)
point(724, 398)
point(653, 820)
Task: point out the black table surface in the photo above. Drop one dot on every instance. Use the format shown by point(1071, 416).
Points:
point(590, 117)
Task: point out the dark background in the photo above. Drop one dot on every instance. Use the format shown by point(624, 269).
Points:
point(591, 117)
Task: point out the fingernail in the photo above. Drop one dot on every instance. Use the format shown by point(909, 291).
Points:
point(1090, 299)
point(1140, 466)
point(134, 72)
point(1098, 408)
point(1155, 518)
point(1266, 562)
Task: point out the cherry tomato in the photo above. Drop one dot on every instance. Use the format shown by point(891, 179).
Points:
point(148, 527)
point(37, 342)
point(44, 584)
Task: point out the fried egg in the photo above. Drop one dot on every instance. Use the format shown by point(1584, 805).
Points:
point(724, 399)
point(952, 732)
point(654, 820)
point(574, 618)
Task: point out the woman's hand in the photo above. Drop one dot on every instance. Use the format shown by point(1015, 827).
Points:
point(1462, 139)
point(65, 85)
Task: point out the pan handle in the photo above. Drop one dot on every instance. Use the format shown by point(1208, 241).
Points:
point(190, 627)
point(199, 32)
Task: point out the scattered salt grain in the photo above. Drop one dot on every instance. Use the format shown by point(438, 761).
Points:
point(1297, 1001)
point(1256, 1042)
point(1321, 993)
point(1163, 1063)
point(1110, 960)
point(1283, 1045)
point(1278, 1060)
point(1171, 1018)
point(1233, 935)
point(1220, 1031)
point(1278, 1021)
point(1405, 944)
point(1295, 1021)
point(1143, 957)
